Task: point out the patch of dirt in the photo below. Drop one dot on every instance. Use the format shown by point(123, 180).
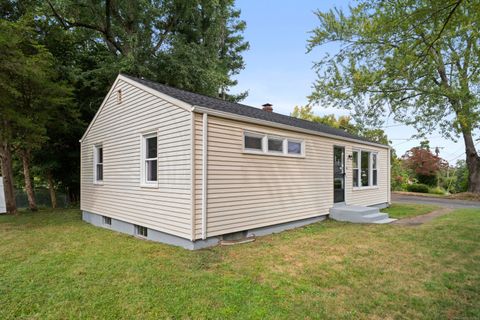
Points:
point(418, 220)
point(465, 196)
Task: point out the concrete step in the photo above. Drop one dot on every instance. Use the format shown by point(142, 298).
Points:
point(357, 210)
point(386, 220)
point(359, 214)
point(375, 216)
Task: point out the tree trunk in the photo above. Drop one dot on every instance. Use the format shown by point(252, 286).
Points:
point(473, 163)
point(25, 155)
point(7, 172)
point(51, 188)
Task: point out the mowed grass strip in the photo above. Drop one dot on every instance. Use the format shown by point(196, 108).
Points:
point(53, 266)
point(407, 210)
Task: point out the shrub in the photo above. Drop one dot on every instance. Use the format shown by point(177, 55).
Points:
point(430, 180)
point(417, 187)
point(437, 190)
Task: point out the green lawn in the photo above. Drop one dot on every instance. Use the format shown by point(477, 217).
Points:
point(54, 266)
point(405, 210)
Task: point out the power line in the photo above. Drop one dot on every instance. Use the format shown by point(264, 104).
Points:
point(410, 139)
point(461, 154)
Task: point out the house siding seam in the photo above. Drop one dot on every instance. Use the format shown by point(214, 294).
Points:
point(118, 127)
point(247, 191)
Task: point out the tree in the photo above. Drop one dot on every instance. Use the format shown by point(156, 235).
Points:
point(424, 164)
point(342, 122)
point(460, 173)
point(420, 59)
point(31, 98)
point(195, 45)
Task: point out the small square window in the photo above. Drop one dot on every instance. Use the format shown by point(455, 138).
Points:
point(107, 221)
point(275, 145)
point(253, 142)
point(294, 147)
point(141, 231)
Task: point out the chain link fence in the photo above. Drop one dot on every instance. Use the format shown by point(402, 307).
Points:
point(42, 196)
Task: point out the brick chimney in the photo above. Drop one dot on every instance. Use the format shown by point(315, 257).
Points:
point(267, 107)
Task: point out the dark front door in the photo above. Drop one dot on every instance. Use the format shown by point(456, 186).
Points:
point(338, 174)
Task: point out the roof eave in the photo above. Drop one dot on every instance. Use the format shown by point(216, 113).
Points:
point(234, 116)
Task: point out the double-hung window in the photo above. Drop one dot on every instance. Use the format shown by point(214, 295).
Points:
point(355, 168)
point(98, 163)
point(374, 170)
point(149, 159)
point(262, 143)
point(364, 168)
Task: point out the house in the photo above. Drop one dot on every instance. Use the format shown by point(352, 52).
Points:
point(186, 169)
point(3, 208)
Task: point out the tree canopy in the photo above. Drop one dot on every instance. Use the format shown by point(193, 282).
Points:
point(59, 57)
point(417, 60)
point(342, 122)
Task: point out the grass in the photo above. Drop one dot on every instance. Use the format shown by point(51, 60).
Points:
point(406, 210)
point(54, 266)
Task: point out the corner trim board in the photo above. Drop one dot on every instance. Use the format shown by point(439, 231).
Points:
point(204, 174)
point(192, 173)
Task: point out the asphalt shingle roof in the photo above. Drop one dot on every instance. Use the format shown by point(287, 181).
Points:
point(243, 110)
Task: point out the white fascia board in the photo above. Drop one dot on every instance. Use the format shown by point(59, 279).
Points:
point(234, 116)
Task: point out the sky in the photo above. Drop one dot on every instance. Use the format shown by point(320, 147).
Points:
point(279, 71)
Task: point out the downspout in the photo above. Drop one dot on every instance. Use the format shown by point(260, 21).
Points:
point(204, 174)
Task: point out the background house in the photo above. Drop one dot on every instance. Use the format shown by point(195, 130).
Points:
point(3, 208)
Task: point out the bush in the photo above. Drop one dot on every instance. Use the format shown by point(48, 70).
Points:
point(430, 180)
point(418, 187)
point(437, 190)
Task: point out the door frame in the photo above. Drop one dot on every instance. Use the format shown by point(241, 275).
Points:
point(344, 174)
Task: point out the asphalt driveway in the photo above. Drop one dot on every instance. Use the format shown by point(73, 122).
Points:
point(441, 202)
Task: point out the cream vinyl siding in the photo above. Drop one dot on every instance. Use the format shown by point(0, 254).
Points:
point(118, 128)
point(248, 191)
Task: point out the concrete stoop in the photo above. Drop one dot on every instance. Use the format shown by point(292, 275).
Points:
point(359, 214)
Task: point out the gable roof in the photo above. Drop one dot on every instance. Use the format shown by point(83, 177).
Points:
point(217, 104)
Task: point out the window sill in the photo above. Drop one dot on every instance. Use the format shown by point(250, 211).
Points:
point(149, 185)
point(98, 183)
point(274, 154)
point(365, 188)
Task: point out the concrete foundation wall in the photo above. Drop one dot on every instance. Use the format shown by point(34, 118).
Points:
point(158, 236)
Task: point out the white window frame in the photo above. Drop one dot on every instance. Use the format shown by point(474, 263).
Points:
point(96, 148)
point(265, 151)
point(143, 159)
point(370, 169)
point(283, 140)
point(254, 135)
